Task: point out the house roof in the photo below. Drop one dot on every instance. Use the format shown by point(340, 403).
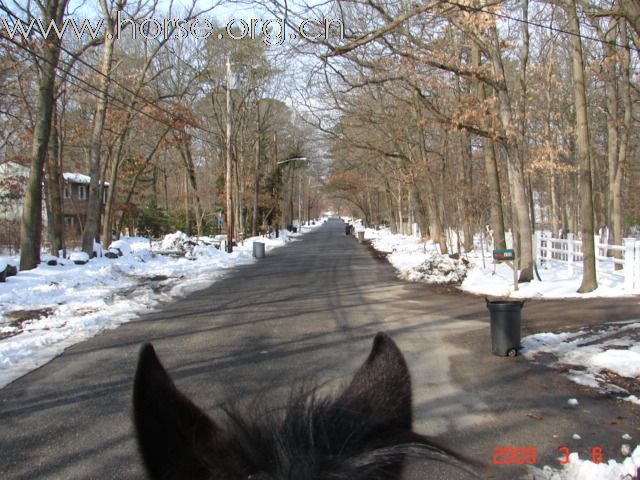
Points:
point(78, 178)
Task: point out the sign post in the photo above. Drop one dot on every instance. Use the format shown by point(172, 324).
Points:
point(508, 256)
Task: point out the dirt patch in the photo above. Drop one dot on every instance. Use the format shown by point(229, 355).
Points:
point(631, 385)
point(16, 318)
point(378, 255)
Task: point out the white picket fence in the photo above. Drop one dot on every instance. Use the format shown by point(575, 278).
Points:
point(568, 252)
point(554, 253)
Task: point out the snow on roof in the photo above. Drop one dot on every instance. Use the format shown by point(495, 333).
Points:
point(78, 178)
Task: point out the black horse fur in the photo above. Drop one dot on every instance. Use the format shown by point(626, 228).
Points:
point(365, 432)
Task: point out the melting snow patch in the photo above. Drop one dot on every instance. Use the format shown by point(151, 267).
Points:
point(592, 354)
point(578, 469)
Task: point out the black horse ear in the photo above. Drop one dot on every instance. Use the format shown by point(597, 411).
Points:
point(173, 434)
point(381, 387)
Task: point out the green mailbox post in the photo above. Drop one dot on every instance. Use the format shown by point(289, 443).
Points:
point(508, 256)
point(504, 254)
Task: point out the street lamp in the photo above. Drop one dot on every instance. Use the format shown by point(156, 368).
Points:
point(293, 159)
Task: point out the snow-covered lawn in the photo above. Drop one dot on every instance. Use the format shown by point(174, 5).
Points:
point(416, 260)
point(47, 309)
point(589, 357)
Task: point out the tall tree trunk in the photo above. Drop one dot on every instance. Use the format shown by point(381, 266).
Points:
point(31, 228)
point(55, 218)
point(184, 147)
point(589, 282)
point(496, 216)
point(522, 131)
point(514, 162)
point(91, 230)
point(550, 150)
point(467, 178)
point(611, 113)
point(107, 221)
point(554, 208)
point(276, 180)
point(617, 176)
point(400, 216)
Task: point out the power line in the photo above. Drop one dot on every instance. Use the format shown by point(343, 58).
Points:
point(92, 89)
point(134, 94)
point(115, 82)
point(539, 25)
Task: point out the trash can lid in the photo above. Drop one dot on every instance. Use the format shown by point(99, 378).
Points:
point(504, 304)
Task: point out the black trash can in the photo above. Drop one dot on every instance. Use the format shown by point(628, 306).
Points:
point(506, 317)
point(347, 229)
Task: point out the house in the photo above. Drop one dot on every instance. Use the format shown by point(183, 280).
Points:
point(75, 200)
point(13, 179)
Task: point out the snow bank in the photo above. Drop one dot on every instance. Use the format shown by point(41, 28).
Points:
point(417, 261)
point(122, 246)
point(174, 241)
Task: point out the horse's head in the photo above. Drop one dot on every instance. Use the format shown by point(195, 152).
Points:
point(362, 433)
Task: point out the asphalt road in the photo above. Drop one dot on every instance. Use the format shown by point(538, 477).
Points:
point(307, 312)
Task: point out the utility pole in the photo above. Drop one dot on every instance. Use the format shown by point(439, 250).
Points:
point(228, 172)
point(254, 226)
point(274, 158)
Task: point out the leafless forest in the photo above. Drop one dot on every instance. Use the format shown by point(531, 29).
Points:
point(467, 115)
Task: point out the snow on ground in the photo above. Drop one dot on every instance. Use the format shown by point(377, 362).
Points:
point(589, 355)
point(47, 309)
point(592, 355)
point(556, 282)
point(594, 359)
point(415, 260)
point(578, 469)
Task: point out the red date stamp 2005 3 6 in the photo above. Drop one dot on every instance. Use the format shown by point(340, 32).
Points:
point(529, 455)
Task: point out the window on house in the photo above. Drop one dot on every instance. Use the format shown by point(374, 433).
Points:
point(67, 191)
point(68, 221)
point(82, 192)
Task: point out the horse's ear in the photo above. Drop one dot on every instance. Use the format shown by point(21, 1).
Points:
point(173, 434)
point(381, 387)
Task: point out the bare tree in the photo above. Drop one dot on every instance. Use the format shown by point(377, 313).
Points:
point(47, 61)
point(583, 153)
